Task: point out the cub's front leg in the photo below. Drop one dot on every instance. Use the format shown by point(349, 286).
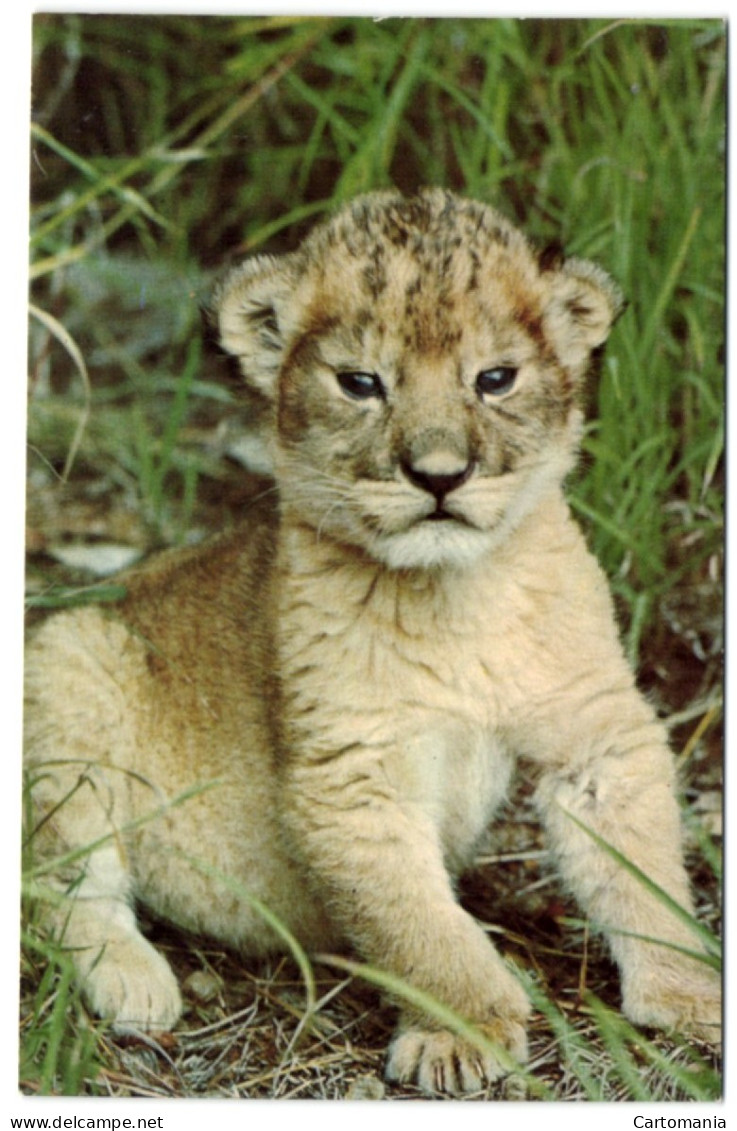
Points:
point(618, 782)
point(376, 862)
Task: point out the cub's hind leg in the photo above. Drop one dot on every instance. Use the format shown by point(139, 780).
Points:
point(80, 763)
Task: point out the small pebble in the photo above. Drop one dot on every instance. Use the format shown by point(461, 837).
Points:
point(514, 1088)
point(203, 985)
point(366, 1088)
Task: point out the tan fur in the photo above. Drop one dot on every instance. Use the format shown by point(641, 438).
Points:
point(326, 706)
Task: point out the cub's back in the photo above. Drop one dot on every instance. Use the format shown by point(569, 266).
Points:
point(185, 653)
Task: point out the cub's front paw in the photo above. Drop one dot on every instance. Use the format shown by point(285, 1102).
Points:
point(132, 985)
point(685, 999)
point(441, 1061)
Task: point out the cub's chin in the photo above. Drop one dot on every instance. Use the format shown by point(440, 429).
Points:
point(433, 544)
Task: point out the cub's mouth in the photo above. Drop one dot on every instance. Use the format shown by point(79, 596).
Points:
point(441, 515)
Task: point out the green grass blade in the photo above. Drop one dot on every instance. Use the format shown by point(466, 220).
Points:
point(701, 932)
point(576, 1051)
point(64, 598)
point(102, 183)
point(401, 990)
point(292, 944)
point(664, 295)
point(612, 1034)
point(695, 1078)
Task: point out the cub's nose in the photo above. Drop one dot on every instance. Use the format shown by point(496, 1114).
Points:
point(438, 473)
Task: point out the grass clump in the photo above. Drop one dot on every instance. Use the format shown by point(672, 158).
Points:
point(60, 1048)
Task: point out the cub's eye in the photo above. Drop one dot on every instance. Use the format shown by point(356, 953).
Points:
point(495, 382)
point(361, 386)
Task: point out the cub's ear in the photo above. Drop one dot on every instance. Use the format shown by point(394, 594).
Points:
point(583, 306)
point(250, 306)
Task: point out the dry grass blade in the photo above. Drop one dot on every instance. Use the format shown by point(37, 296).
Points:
point(67, 341)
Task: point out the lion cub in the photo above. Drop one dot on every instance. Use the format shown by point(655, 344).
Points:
point(323, 710)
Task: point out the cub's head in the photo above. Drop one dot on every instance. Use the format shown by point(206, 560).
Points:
point(425, 368)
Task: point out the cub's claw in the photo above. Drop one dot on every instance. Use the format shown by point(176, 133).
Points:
point(439, 1061)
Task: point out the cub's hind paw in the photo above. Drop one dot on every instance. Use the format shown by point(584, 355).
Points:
point(440, 1061)
point(133, 986)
